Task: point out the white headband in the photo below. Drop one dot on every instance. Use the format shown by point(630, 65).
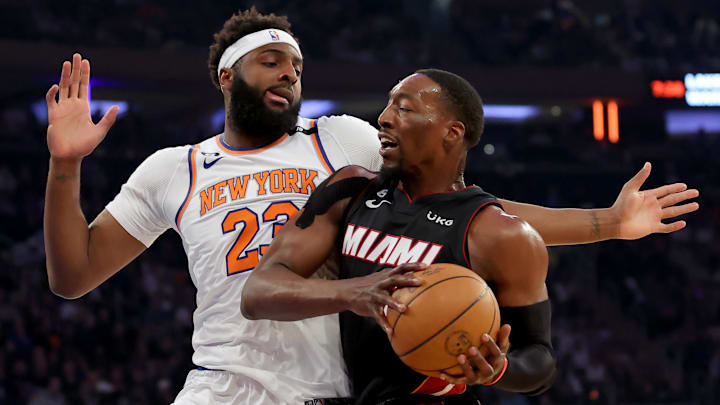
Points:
point(253, 41)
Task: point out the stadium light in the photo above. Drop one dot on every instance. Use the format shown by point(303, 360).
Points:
point(598, 120)
point(613, 122)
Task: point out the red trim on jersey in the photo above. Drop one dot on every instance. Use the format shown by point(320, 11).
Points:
point(354, 199)
point(411, 200)
point(193, 176)
point(434, 385)
point(467, 229)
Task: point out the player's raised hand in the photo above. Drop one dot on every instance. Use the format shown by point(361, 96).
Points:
point(370, 294)
point(71, 133)
point(641, 213)
point(484, 364)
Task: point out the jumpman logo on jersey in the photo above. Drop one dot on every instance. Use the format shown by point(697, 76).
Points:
point(374, 203)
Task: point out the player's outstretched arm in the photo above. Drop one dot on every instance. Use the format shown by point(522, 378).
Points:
point(515, 259)
point(279, 287)
point(79, 257)
point(634, 215)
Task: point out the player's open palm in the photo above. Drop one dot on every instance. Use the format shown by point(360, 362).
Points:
point(642, 212)
point(71, 132)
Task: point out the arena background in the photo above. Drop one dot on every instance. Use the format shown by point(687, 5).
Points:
point(634, 322)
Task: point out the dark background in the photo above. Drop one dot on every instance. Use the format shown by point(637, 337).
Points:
point(634, 322)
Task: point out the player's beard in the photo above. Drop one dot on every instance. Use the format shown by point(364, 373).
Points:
point(249, 114)
point(392, 172)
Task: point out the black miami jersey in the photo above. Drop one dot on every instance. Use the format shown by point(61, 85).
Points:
point(384, 228)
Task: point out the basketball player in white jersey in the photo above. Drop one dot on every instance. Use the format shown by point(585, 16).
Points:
point(228, 195)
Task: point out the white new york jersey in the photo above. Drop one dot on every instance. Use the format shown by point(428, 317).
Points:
point(227, 204)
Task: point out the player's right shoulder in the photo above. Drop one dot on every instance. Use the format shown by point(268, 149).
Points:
point(161, 166)
point(173, 153)
point(352, 171)
point(334, 194)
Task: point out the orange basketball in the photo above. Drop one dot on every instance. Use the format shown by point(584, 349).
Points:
point(445, 316)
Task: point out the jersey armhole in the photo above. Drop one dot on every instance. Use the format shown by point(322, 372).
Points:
point(467, 228)
point(192, 169)
point(319, 149)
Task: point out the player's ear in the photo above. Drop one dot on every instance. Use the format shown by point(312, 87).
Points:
point(226, 78)
point(455, 134)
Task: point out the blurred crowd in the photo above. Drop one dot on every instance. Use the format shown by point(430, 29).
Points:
point(634, 322)
point(628, 34)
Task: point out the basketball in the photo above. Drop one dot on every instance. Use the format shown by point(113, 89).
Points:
point(445, 316)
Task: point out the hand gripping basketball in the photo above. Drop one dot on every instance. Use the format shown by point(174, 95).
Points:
point(369, 295)
point(483, 365)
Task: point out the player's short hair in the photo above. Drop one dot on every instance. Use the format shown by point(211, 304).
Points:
point(241, 24)
point(462, 100)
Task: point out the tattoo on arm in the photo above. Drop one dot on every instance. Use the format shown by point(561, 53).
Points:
point(595, 224)
point(65, 177)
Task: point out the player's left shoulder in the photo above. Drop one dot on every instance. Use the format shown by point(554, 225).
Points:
point(494, 230)
point(346, 128)
point(349, 140)
point(507, 250)
point(344, 122)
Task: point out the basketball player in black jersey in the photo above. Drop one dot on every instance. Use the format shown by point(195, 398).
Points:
point(384, 226)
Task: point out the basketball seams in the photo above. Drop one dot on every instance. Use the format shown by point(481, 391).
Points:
point(449, 323)
point(400, 314)
point(446, 336)
point(441, 370)
point(495, 314)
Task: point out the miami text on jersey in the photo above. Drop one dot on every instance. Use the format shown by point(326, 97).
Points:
point(300, 181)
point(366, 244)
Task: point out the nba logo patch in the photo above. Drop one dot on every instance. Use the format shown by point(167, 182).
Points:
point(274, 35)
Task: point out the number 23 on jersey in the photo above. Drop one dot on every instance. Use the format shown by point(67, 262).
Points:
point(238, 259)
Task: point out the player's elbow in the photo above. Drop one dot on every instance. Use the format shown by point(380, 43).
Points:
point(250, 301)
point(64, 288)
point(547, 366)
point(248, 309)
point(66, 291)
point(546, 383)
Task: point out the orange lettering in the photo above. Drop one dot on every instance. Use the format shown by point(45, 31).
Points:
point(238, 186)
point(276, 181)
point(291, 181)
point(219, 197)
point(205, 200)
point(261, 178)
point(307, 177)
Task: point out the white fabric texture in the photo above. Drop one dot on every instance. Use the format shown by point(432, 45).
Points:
point(140, 206)
point(350, 140)
point(204, 387)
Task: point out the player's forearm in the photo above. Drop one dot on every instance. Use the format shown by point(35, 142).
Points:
point(281, 295)
point(531, 370)
point(566, 226)
point(65, 230)
point(531, 360)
